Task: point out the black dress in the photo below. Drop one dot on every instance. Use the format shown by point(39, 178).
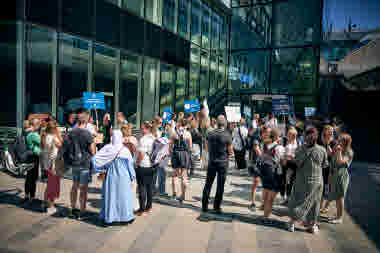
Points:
point(180, 156)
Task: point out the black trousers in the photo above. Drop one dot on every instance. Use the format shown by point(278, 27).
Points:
point(32, 177)
point(287, 188)
point(144, 178)
point(240, 159)
point(212, 170)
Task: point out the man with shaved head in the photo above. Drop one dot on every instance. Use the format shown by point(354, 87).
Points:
point(220, 149)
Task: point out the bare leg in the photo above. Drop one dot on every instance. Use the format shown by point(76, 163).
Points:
point(83, 197)
point(255, 183)
point(174, 179)
point(74, 194)
point(340, 207)
point(183, 181)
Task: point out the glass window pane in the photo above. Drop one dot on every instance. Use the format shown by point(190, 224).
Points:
point(73, 61)
point(196, 22)
point(221, 73)
point(150, 82)
point(104, 75)
point(39, 69)
point(130, 24)
point(183, 7)
point(204, 74)
point(205, 27)
point(168, 18)
point(215, 27)
point(180, 89)
point(152, 11)
point(8, 72)
point(194, 71)
point(77, 17)
point(213, 74)
point(166, 86)
point(128, 87)
point(133, 5)
point(42, 12)
point(107, 23)
point(223, 34)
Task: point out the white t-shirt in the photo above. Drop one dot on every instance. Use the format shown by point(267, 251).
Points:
point(237, 141)
point(271, 123)
point(145, 146)
point(254, 123)
point(291, 148)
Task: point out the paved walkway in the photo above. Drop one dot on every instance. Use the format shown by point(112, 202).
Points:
point(174, 228)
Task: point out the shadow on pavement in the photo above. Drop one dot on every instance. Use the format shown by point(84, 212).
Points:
point(11, 197)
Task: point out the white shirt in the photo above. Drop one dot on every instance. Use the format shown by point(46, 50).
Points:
point(237, 141)
point(271, 123)
point(291, 148)
point(254, 123)
point(145, 146)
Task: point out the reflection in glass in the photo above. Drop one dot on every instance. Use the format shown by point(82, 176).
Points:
point(213, 74)
point(195, 22)
point(194, 71)
point(205, 26)
point(183, 6)
point(152, 11)
point(166, 86)
point(168, 18)
point(221, 74)
point(104, 75)
point(180, 89)
point(150, 70)
point(204, 74)
point(39, 69)
point(73, 61)
point(133, 5)
point(115, 2)
point(128, 87)
point(215, 26)
point(8, 72)
point(223, 35)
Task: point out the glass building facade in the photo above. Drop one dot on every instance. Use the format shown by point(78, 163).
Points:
point(143, 55)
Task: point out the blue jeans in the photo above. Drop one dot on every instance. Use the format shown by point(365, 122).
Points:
point(161, 174)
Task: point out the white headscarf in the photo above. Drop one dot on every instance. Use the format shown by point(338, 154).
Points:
point(109, 152)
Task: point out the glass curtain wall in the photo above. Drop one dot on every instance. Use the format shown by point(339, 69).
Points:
point(215, 29)
point(153, 8)
point(180, 89)
point(128, 86)
point(204, 74)
point(40, 58)
point(166, 86)
point(213, 74)
point(105, 63)
point(149, 84)
point(196, 22)
point(183, 14)
point(8, 71)
point(194, 71)
point(73, 74)
point(205, 27)
point(135, 6)
point(168, 16)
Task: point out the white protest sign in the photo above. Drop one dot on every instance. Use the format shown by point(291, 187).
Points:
point(233, 113)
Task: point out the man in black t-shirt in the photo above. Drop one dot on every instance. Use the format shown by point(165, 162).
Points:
point(220, 149)
point(79, 147)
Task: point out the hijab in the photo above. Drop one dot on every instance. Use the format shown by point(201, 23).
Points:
point(109, 152)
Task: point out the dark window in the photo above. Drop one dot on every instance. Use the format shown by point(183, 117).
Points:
point(39, 69)
point(204, 74)
point(42, 12)
point(78, 16)
point(215, 24)
point(132, 33)
point(133, 5)
point(152, 40)
point(72, 77)
point(169, 45)
point(107, 23)
point(105, 62)
point(166, 86)
point(12, 10)
point(194, 71)
point(196, 22)
point(183, 53)
point(169, 14)
point(180, 89)
point(8, 72)
point(183, 7)
point(128, 86)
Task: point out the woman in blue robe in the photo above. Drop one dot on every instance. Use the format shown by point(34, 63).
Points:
point(117, 195)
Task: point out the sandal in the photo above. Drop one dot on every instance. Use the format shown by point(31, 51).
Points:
point(336, 221)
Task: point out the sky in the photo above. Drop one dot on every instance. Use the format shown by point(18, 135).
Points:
point(364, 13)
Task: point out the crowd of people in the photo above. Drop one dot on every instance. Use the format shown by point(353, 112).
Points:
point(307, 166)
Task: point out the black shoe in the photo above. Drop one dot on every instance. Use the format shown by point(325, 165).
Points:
point(218, 211)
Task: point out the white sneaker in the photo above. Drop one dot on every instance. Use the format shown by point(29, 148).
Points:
point(314, 229)
point(291, 227)
point(51, 211)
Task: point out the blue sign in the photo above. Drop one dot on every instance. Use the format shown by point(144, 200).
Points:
point(192, 106)
point(280, 106)
point(92, 100)
point(167, 114)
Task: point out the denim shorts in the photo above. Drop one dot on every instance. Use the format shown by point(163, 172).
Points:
point(81, 175)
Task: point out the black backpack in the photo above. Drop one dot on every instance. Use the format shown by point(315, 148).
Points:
point(73, 154)
point(19, 150)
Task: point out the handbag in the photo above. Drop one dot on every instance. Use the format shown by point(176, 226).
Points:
point(60, 167)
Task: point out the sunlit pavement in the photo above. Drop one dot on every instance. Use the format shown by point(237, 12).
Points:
point(172, 227)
